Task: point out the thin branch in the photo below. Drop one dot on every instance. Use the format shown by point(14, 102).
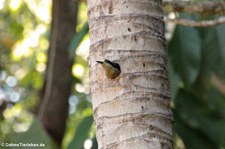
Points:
point(191, 23)
point(202, 8)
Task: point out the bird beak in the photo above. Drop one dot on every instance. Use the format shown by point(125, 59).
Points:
point(101, 62)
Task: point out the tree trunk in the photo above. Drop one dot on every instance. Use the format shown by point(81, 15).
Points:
point(53, 109)
point(133, 110)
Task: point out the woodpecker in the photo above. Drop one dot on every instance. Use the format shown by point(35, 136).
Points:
point(112, 69)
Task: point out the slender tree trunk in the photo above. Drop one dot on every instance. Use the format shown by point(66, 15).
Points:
point(132, 111)
point(53, 109)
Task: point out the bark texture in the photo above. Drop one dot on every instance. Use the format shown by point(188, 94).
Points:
point(133, 110)
point(53, 109)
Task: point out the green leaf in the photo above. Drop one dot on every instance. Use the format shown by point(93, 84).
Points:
point(192, 138)
point(185, 53)
point(189, 108)
point(77, 38)
point(81, 134)
point(187, 116)
point(197, 119)
point(215, 133)
point(221, 40)
point(173, 81)
point(214, 50)
point(213, 58)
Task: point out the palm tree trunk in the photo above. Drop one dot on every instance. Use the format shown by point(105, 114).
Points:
point(133, 110)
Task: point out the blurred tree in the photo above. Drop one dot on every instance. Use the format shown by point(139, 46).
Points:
point(53, 109)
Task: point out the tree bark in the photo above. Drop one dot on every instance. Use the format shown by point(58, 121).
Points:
point(133, 110)
point(53, 110)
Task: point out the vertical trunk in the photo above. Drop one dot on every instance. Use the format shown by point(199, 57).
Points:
point(133, 110)
point(54, 106)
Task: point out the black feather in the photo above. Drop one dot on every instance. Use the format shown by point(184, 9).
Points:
point(116, 65)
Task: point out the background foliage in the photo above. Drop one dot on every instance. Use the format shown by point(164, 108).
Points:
point(197, 76)
point(196, 73)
